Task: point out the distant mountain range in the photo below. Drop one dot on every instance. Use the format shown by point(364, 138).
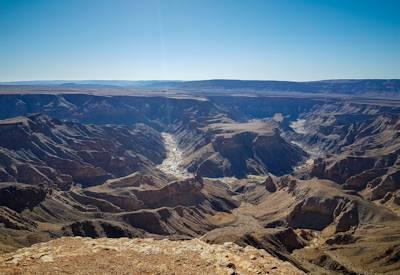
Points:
point(341, 86)
point(98, 83)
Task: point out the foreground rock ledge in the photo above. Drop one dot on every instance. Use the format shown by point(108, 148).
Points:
point(76, 255)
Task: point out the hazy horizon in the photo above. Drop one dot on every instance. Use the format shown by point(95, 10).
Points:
point(181, 80)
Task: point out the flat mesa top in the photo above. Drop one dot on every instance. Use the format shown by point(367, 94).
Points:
point(14, 121)
point(259, 126)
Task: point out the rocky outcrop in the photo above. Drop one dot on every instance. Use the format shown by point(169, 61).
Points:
point(244, 149)
point(270, 185)
point(322, 205)
point(100, 228)
point(178, 222)
point(13, 220)
point(330, 264)
point(384, 185)
point(317, 213)
point(19, 197)
point(313, 213)
point(191, 192)
point(342, 169)
point(141, 256)
point(138, 180)
point(275, 240)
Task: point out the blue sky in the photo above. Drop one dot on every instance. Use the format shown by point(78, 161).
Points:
point(184, 39)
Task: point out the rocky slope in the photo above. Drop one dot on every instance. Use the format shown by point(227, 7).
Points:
point(313, 224)
point(306, 221)
point(135, 206)
point(140, 256)
point(362, 147)
point(241, 149)
point(37, 149)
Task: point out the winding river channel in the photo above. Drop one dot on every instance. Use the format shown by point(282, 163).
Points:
point(173, 163)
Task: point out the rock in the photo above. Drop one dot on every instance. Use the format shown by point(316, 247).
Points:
point(139, 256)
point(347, 218)
point(19, 197)
point(270, 184)
point(13, 220)
point(63, 153)
point(344, 238)
point(328, 263)
point(389, 183)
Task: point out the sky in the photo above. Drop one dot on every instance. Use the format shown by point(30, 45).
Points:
point(204, 39)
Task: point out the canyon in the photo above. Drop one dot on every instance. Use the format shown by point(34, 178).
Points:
point(310, 183)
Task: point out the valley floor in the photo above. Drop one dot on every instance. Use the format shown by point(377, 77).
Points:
point(172, 164)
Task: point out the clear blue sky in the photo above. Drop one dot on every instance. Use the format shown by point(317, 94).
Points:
point(183, 39)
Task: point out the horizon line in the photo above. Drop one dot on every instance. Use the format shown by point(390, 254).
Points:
point(191, 80)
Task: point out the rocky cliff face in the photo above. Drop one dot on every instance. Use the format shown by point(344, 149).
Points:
point(39, 150)
point(246, 153)
point(19, 197)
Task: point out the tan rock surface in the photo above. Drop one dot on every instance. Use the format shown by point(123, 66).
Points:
point(76, 255)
